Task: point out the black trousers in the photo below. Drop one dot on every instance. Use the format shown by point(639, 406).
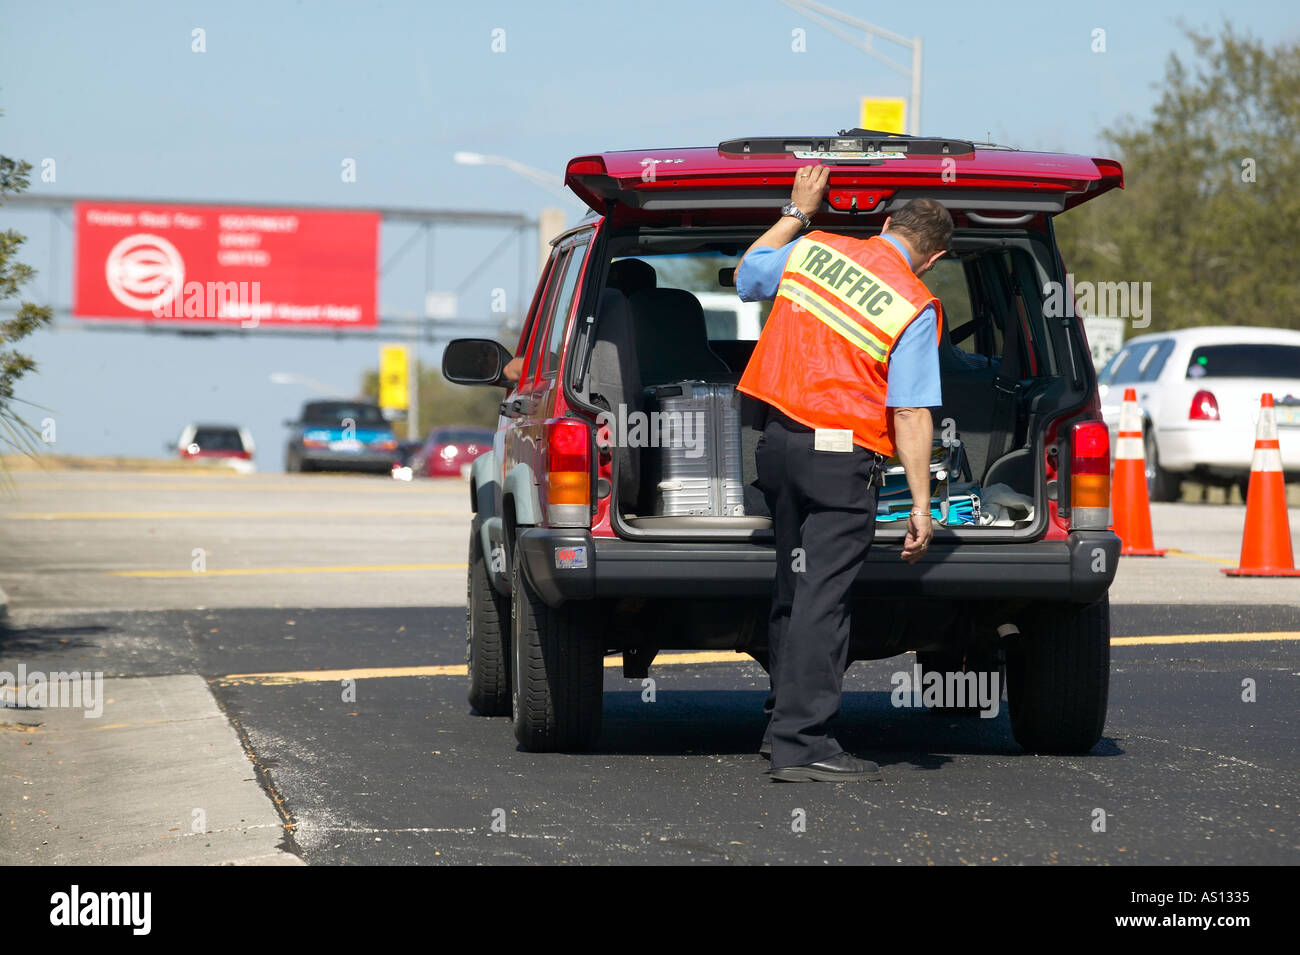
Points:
point(823, 506)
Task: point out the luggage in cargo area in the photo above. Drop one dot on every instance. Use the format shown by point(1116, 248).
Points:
point(695, 462)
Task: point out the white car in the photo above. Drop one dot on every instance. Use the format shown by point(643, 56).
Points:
point(1199, 390)
point(727, 317)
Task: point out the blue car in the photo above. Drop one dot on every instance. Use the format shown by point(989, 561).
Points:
point(340, 436)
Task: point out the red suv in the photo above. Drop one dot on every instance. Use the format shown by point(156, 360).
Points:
point(585, 540)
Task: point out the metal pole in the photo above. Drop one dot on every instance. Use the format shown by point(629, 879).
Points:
point(413, 412)
point(914, 120)
point(50, 282)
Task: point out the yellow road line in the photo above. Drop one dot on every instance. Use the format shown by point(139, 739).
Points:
point(334, 676)
point(1204, 638)
point(1214, 560)
point(370, 673)
point(664, 659)
point(252, 571)
point(273, 512)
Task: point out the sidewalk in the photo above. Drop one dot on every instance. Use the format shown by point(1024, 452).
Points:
point(122, 788)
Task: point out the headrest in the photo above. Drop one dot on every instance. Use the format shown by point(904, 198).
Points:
point(632, 275)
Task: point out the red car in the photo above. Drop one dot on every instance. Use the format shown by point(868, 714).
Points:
point(450, 451)
point(224, 442)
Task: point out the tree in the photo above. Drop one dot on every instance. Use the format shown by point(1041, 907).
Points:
point(1212, 192)
point(16, 433)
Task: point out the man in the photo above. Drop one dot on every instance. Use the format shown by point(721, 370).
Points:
point(848, 363)
point(629, 276)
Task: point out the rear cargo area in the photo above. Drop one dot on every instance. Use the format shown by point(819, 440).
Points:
point(663, 367)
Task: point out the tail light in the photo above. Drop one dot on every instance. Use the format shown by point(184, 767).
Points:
point(1090, 476)
point(386, 444)
point(1204, 407)
point(568, 473)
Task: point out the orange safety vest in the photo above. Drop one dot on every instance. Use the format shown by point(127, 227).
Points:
point(823, 356)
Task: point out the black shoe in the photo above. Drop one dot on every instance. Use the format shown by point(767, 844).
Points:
point(765, 750)
point(838, 769)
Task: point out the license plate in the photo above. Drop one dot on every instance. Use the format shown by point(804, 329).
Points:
point(353, 445)
point(1288, 417)
point(831, 154)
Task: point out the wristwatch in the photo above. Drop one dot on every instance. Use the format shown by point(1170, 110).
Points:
point(790, 209)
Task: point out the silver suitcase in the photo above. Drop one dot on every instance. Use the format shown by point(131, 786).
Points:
point(698, 471)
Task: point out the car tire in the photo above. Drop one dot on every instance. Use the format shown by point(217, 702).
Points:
point(557, 690)
point(487, 644)
point(1162, 485)
point(958, 661)
point(291, 463)
point(1058, 677)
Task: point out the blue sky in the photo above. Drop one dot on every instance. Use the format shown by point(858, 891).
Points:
point(286, 91)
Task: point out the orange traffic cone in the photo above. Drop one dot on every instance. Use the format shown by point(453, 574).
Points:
point(1131, 505)
point(1266, 542)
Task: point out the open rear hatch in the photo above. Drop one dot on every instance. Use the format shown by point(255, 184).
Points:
point(745, 180)
point(1002, 201)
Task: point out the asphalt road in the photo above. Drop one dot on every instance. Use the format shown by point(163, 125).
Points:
point(303, 582)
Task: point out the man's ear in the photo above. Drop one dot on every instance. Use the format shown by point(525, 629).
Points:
point(929, 263)
point(885, 228)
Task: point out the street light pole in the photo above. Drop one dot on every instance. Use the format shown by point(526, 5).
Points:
point(551, 221)
point(914, 109)
point(538, 177)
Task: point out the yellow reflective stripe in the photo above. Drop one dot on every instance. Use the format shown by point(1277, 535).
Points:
point(878, 301)
point(833, 318)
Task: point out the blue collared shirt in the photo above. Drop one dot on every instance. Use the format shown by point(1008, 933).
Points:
point(913, 380)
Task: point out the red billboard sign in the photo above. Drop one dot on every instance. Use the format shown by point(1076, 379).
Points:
point(226, 264)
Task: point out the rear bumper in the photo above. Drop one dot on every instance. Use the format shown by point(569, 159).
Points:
point(364, 460)
point(1220, 448)
point(1079, 569)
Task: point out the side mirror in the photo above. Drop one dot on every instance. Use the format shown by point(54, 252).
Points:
point(475, 361)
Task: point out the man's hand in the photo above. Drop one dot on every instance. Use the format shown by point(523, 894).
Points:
point(914, 438)
point(919, 531)
point(810, 185)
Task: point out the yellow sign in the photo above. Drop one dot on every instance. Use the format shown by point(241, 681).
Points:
point(394, 382)
point(884, 114)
